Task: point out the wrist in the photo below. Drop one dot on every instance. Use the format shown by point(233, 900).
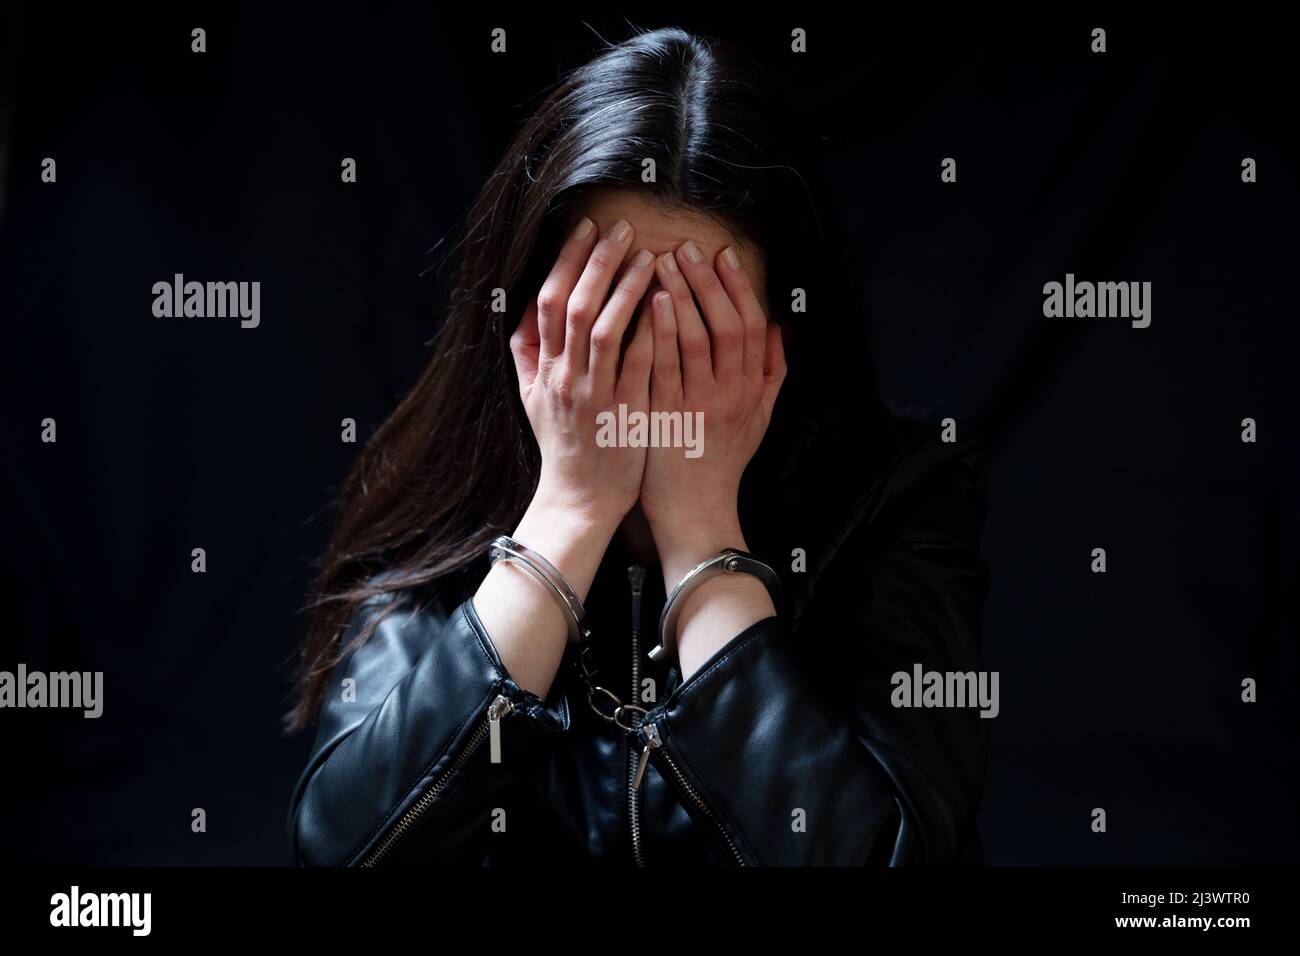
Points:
point(572, 512)
point(681, 549)
point(573, 541)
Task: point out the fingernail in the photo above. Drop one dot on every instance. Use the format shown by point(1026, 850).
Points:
point(692, 251)
point(662, 300)
point(643, 259)
point(621, 229)
point(669, 261)
point(733, 260)
point(584, 229)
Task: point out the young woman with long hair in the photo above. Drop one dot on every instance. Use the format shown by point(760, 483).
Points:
point(655, 257)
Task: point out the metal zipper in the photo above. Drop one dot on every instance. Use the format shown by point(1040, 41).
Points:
point(490, 726)
point(649, 732)
point(636, 578)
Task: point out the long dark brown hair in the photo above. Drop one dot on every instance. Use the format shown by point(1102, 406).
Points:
point(456, 463)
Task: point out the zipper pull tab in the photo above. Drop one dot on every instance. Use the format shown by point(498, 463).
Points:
point(651, 741)
point(496, 710)
point(636, 580)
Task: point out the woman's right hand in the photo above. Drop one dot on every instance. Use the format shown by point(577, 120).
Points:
point(566, 352)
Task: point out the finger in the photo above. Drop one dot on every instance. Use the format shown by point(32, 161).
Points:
point(774, 366)
point(694, 351)
point(666, 379)
point(754, 321)
point(726, 331)
point(553, 300)
point(525, 345)
point(607, 333)
point(589, 294)
point(634, 376)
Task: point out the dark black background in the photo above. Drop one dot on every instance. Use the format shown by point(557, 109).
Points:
point(1119, 690)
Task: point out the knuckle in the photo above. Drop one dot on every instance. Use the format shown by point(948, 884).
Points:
point(581, 311)
point(707, 280)
point(602, 257)
point(695, 346)
point(729, 334)
point(551, 300)
point(624, 295)
point(667, 367)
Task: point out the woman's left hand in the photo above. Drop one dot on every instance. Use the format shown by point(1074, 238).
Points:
point(723, 371)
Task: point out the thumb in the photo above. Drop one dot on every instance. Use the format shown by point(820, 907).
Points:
point(524, 346)
point(774, 367)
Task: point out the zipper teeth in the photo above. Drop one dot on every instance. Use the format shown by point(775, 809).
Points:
point(704, 807)
point(636, 575)
point(404, 822)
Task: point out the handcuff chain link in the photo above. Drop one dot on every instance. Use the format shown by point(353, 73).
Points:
point(586, 667)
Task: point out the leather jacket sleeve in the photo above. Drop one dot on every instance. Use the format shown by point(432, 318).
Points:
point(788, 749)
point(401, 768)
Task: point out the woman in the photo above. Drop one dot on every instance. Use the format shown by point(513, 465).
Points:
point(654, 232)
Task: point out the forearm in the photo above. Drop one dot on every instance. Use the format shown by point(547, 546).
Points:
point(526, 623)
point(716, 611)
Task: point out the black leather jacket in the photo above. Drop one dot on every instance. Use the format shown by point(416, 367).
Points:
point(784, 749)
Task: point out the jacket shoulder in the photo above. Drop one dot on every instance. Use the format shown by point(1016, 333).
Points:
point(923, 447)
point(921, 489)
point(929, 462)
point(400, 625)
